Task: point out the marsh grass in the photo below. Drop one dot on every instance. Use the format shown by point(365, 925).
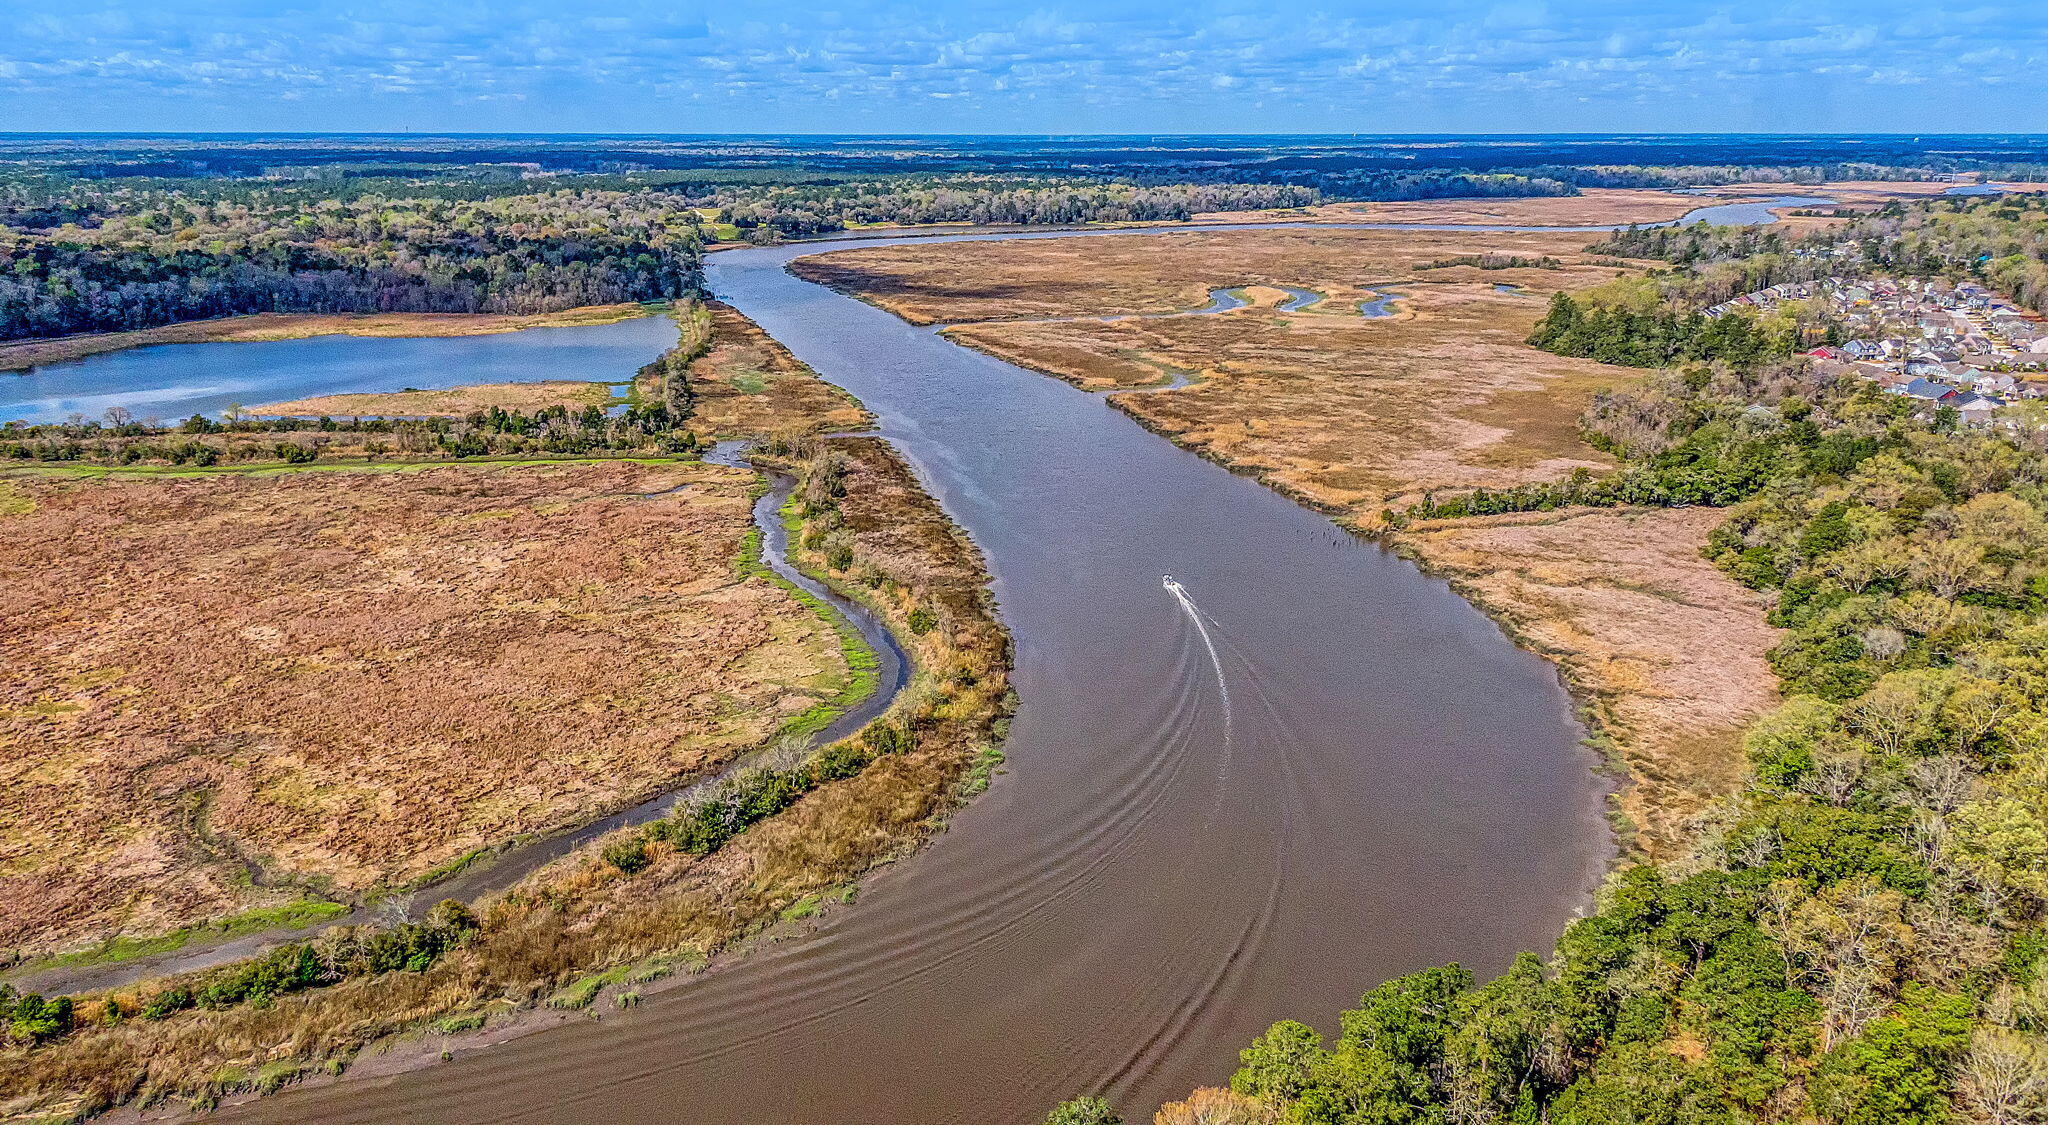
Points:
point(582, 925)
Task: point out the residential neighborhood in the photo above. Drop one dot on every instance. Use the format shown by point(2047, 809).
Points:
point(1952, 344)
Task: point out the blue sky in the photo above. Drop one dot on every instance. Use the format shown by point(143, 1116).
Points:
point(1060, 67)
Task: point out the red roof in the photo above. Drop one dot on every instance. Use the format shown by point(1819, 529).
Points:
point(1824, 353)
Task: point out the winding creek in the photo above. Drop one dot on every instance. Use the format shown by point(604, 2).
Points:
point(1320, 770)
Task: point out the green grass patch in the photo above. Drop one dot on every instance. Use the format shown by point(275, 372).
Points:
point(116, 949)
point(13, 503)
point(580, 992)
point(465, 1021)
point(804, 907)
point(863, 664)
point(685, 961)
point(987, 761)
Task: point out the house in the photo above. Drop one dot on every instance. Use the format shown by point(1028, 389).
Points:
point(1975, 408)
point(1996, 383)
point(1928, 390)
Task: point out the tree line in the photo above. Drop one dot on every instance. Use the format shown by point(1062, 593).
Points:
point(101, 261)
point(1861, 937)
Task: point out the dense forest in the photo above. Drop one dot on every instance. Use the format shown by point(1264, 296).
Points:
point(94, 242)
point(97, 260)
point(826, 206)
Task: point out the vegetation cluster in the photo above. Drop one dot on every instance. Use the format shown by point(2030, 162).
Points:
point(199, 442)
point(94, 257)
point(1999, 241)
point(1859, 936)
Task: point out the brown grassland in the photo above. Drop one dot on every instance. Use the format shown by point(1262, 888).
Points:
point(583, 929)
point(223, 689)
point(1591, 207)
point(747, 384)
point(453, 402)
point(1347, 413)
point(1356, 415)
point(19, 355)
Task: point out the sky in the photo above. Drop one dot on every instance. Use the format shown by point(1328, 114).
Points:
point(1099, 66)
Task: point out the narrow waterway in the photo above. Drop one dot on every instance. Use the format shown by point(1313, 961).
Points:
point(1321, 770)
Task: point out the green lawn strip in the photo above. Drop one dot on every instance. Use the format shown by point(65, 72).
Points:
point(289, 916)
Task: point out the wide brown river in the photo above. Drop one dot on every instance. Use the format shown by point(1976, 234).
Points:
point(1321, 771)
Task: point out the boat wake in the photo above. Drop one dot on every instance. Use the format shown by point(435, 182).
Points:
point(1194, 612)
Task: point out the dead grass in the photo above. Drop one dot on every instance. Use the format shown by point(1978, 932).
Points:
point(340, 680)
point(22, 354)
point(748, 384)
point(1356, 415)
point(1592, 207)
point(1347, 413)
point(583, 915)
point(1669, 649)
point(454, 402)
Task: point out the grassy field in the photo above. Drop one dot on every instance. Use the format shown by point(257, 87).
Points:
point(1358, 415)
point(453, 402)
point(238, 689)
point(22, 354)
point(1351, 414)
point(585, 927)
point(748, 384)
point(495, 643)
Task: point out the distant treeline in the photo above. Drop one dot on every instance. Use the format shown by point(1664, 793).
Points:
point(817, 207)
point(91, 259)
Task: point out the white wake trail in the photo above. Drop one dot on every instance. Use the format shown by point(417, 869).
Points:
point(1194, 612)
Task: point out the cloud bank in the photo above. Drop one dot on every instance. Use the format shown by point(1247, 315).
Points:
point(878, 65)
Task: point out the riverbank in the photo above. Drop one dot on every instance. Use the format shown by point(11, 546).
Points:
point(861, 521)
point(1356, 417)
point(20, 355)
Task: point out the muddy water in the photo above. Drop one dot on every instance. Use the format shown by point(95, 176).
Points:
point(1366, 778)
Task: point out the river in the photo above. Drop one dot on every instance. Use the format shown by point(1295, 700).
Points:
point(1365, 778)
point(1298, 770)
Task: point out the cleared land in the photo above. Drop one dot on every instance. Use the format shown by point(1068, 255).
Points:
point(1356, 415)
point(747, 384)
point(223, 691)
point(22, 354)
point(453, 402)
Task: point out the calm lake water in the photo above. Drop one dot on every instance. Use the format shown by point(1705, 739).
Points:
point(172, 382)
